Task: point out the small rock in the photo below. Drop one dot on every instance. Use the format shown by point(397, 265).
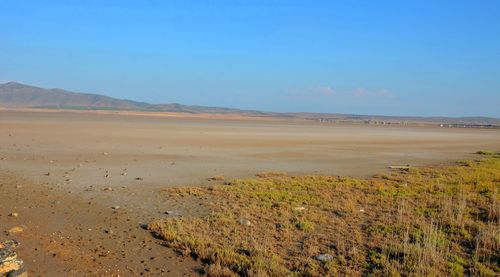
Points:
point(401, 167)
point(299, 209)
point(115, 207)
point(324, 257)
point(139, 178)
point(173, 213)
point(47, 174)
point(361, 210)
point(217, 178)
point(16, 230)
point(244, 221)
point(105, 153)
point(124, 174)
point(13, 214)
point(108, 189)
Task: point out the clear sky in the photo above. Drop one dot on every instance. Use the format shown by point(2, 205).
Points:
point(416, 57)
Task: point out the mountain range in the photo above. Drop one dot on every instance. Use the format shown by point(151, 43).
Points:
point(17, 95)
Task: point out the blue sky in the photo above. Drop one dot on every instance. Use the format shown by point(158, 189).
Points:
point(359, 57)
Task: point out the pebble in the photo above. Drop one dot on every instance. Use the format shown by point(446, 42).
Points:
point(13, 214)
point(244, 221)
point(324, 257)
point(172, 213)
point(15, 230)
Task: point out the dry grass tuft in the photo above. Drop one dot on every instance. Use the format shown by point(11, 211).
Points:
point(270, 174)
point(421, 222)
point(184, 191)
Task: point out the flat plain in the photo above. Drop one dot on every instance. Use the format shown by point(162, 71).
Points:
point(84, 183)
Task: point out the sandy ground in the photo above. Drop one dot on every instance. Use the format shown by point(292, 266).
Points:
point(56, 170)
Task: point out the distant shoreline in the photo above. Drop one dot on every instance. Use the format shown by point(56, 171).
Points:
point(356, 120)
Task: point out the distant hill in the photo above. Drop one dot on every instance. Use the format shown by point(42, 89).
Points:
point(16, 95)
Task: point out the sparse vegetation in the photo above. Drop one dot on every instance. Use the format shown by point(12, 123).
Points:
point(267, 174)
point(486, 152)
point(420, 222)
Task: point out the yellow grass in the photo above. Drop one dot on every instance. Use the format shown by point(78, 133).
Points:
point(424, 221)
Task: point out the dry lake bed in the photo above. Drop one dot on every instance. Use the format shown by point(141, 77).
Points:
point(82, 183)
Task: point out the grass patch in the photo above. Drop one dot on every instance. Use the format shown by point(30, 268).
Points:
point(426, 221)
point(486, 152)
point(269, 174)
point(305, 226)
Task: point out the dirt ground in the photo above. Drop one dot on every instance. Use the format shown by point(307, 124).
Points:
point(64, 173)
